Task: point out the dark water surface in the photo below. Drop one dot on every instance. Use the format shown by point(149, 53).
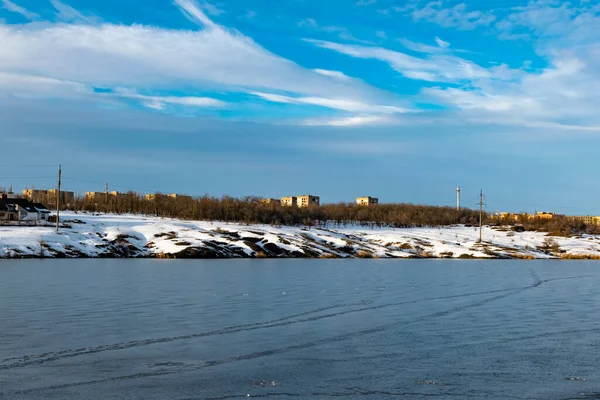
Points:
point(413, 329)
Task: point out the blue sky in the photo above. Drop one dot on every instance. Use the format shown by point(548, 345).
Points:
point(403, 100)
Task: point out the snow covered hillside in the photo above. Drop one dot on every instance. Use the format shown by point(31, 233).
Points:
point(89, 235)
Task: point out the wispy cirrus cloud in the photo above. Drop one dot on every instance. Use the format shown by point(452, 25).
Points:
point(563, 94)
point(67, 13)
point(442, 47)
point(336, 104)
point(12, 7)
point(431, 67)
point(334, 74)
point(457, 16)
point(145, 59)
point(341, 32)
point(356, 121)
point(159, 102)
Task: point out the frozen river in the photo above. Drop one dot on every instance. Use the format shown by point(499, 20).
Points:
point(151, 329)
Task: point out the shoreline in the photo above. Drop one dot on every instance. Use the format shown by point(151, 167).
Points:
point(133, 236)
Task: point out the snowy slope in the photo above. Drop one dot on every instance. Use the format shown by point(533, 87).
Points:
point(109, 235)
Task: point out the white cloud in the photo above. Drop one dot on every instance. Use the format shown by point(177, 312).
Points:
point(381, 34)
point(443, 44)
point(308, 23)
point(10, 6)
point(211, 8)
point(565, 94)
point(340, 32)
point(456, 16)
point(22, 85)
point(433, 68)
point(69, 14)
point(421, 47)
point(365, 2)
point(159, 102)
point(564, 23)
point(347, 121)
point(149, 58)
point(344, 105)
point(193, 13)
point(333, 74)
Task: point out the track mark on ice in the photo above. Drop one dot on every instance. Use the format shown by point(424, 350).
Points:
point(286, 349)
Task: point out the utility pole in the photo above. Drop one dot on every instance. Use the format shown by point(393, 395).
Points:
point(480, 215)
point(458, 198)
point(58, 198)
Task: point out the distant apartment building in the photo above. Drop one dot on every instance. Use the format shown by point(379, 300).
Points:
point(367, 201)
point(288, 201)
point(546, 215)
point(301, 201)
point(530, 217)
point(65, 197)
point(586, 219)
point(180, 196)
point(510, 216)
point(270, 201)
point(35, 194)
point(117, 195)
point(97, 196)
point(101, 196)
point(308, 201)
point(49, 195)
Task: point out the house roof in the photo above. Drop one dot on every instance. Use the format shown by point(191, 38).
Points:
point(11, 205)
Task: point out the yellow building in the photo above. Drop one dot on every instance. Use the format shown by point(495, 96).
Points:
point(65, 197)
point(42, 195)
point(119, 195)
point(35, 194)
point(96, 195)
point(367, 201)
point(270, 201)
point(308, 201)
point(516, 217)
point(101, 196)
point(546, 215)
point(289, 201)
point(180, 196)
point(586, 219)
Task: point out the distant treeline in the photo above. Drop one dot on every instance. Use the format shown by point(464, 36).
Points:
point(251, 210)
point(559, 225)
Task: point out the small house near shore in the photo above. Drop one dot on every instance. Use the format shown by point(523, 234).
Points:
point(19, 209)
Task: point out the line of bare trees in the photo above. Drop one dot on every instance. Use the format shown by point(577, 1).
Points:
point(251, 210)
point(558, 225)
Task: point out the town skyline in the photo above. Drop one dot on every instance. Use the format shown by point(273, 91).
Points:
point(67, 196)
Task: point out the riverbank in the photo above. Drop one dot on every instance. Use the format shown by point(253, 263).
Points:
point(107, 235)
